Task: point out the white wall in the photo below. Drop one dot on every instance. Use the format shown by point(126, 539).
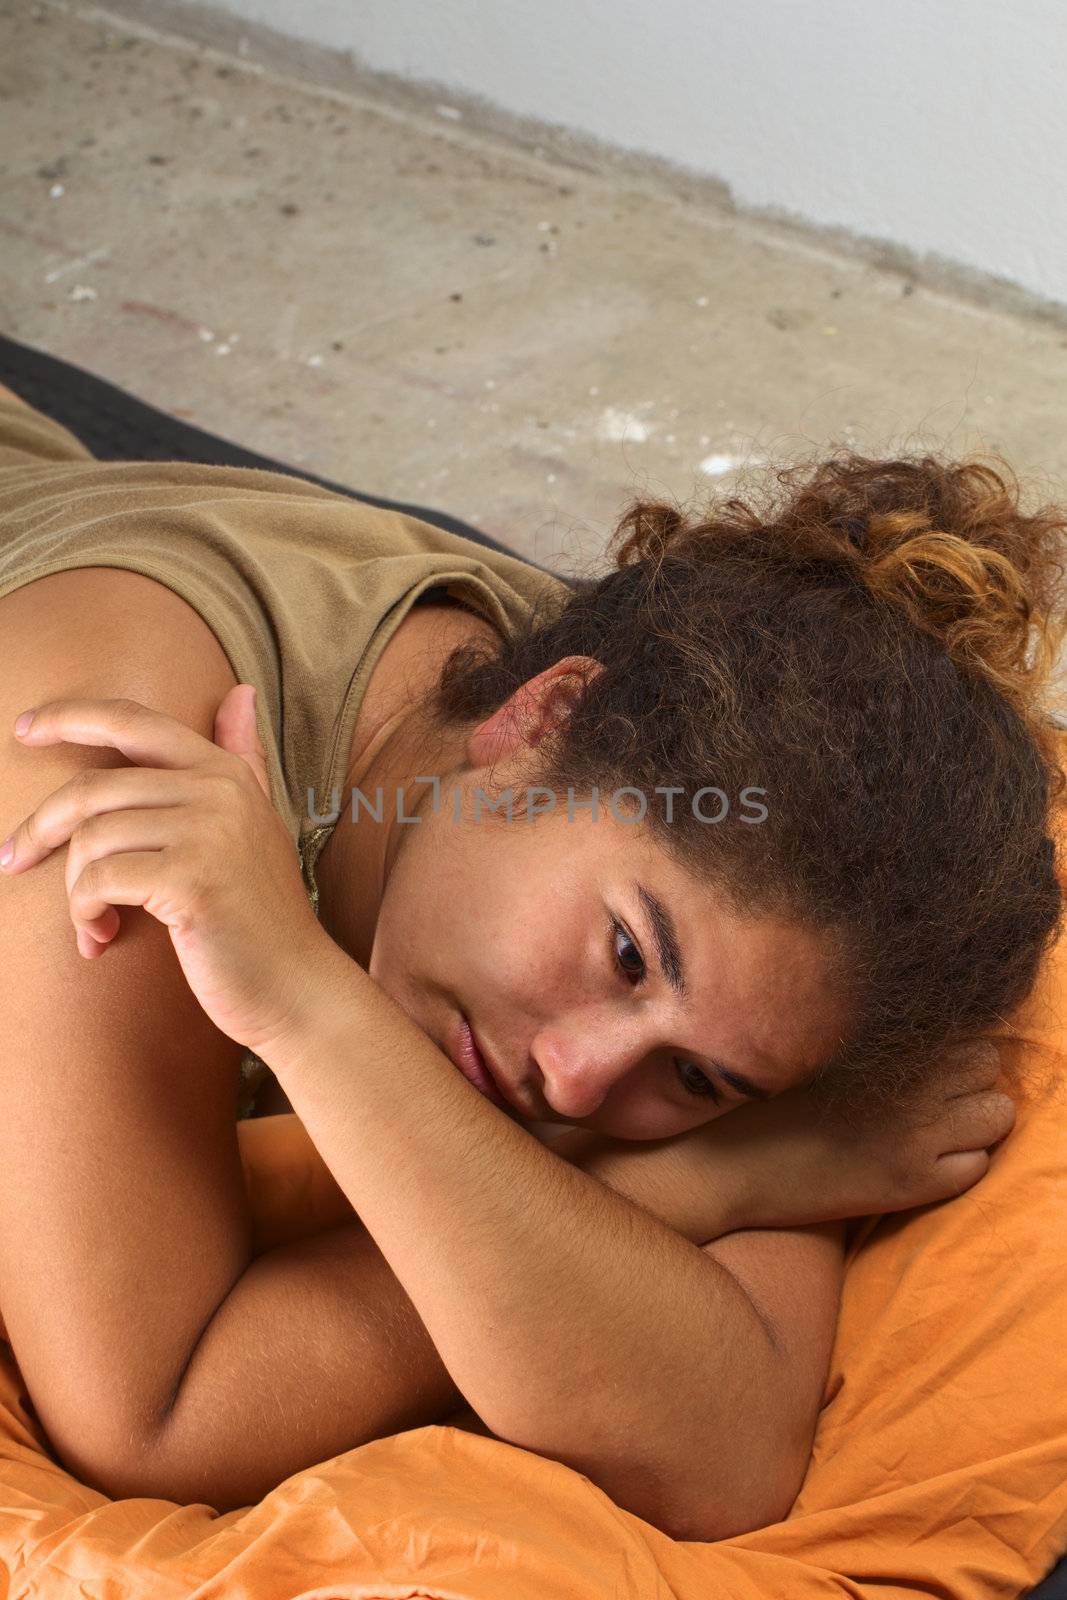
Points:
point(940, 125)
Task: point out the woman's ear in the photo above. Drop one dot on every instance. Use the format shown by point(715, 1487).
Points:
point(535, 710)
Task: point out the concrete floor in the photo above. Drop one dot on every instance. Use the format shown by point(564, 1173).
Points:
point(401, 301)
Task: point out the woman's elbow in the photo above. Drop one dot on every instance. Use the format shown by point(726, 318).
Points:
point(692, 1509)
point(139, 1465)
point(117, 1464)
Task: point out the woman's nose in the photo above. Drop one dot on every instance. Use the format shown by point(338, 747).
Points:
point(578, 1072)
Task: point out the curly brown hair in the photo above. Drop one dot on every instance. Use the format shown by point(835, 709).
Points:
point(873, 648)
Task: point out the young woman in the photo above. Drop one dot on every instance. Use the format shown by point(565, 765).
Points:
point(777, 862)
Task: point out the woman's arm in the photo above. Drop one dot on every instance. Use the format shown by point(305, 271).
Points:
point(574, 1323)
point(164, 1336)
point(318, 1349)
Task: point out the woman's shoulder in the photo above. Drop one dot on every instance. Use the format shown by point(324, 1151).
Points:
point(144, 612)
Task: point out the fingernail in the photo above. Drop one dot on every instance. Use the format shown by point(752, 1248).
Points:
point(7, 851)
point(23, 722)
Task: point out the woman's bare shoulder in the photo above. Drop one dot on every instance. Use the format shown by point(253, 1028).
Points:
point(67, 611)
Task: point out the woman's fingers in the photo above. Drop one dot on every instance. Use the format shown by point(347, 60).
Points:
point(133, 878)
point(188, 831)
point(961, 1171)
point(143, 835)
point(983, 1120)
point(144, 813)
point(150, 738)
point(94, 792)
point(117, 832)
point(94, 941)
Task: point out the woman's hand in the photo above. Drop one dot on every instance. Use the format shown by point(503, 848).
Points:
point(189, 833)
point(790, 1162)
point(785, 1163)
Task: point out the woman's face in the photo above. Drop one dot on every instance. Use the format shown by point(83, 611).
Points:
point(605, 987)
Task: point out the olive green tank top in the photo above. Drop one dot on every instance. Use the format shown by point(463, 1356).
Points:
point(302, 587)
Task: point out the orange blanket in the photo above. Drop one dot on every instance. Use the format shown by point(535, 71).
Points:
point(939, 1465)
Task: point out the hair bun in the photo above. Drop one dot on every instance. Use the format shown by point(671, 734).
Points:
point(944, 541)
point(949, 545)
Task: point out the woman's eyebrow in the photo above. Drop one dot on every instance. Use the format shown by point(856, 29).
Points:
point(665, 939)
point(669, 957)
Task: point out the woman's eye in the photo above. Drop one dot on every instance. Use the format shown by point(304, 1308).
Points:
point(696, 1082)
point(631, 964)
point(633, 972)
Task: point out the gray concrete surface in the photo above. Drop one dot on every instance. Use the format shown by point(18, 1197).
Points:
point(391, 296)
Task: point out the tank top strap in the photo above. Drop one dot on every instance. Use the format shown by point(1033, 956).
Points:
point(313, 843)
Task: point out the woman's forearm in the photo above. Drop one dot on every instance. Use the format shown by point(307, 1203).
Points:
point(574, 1323)
point(699, 1184)
point(317, 1349)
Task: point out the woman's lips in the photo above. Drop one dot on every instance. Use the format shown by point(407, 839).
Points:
point(467, 1058)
